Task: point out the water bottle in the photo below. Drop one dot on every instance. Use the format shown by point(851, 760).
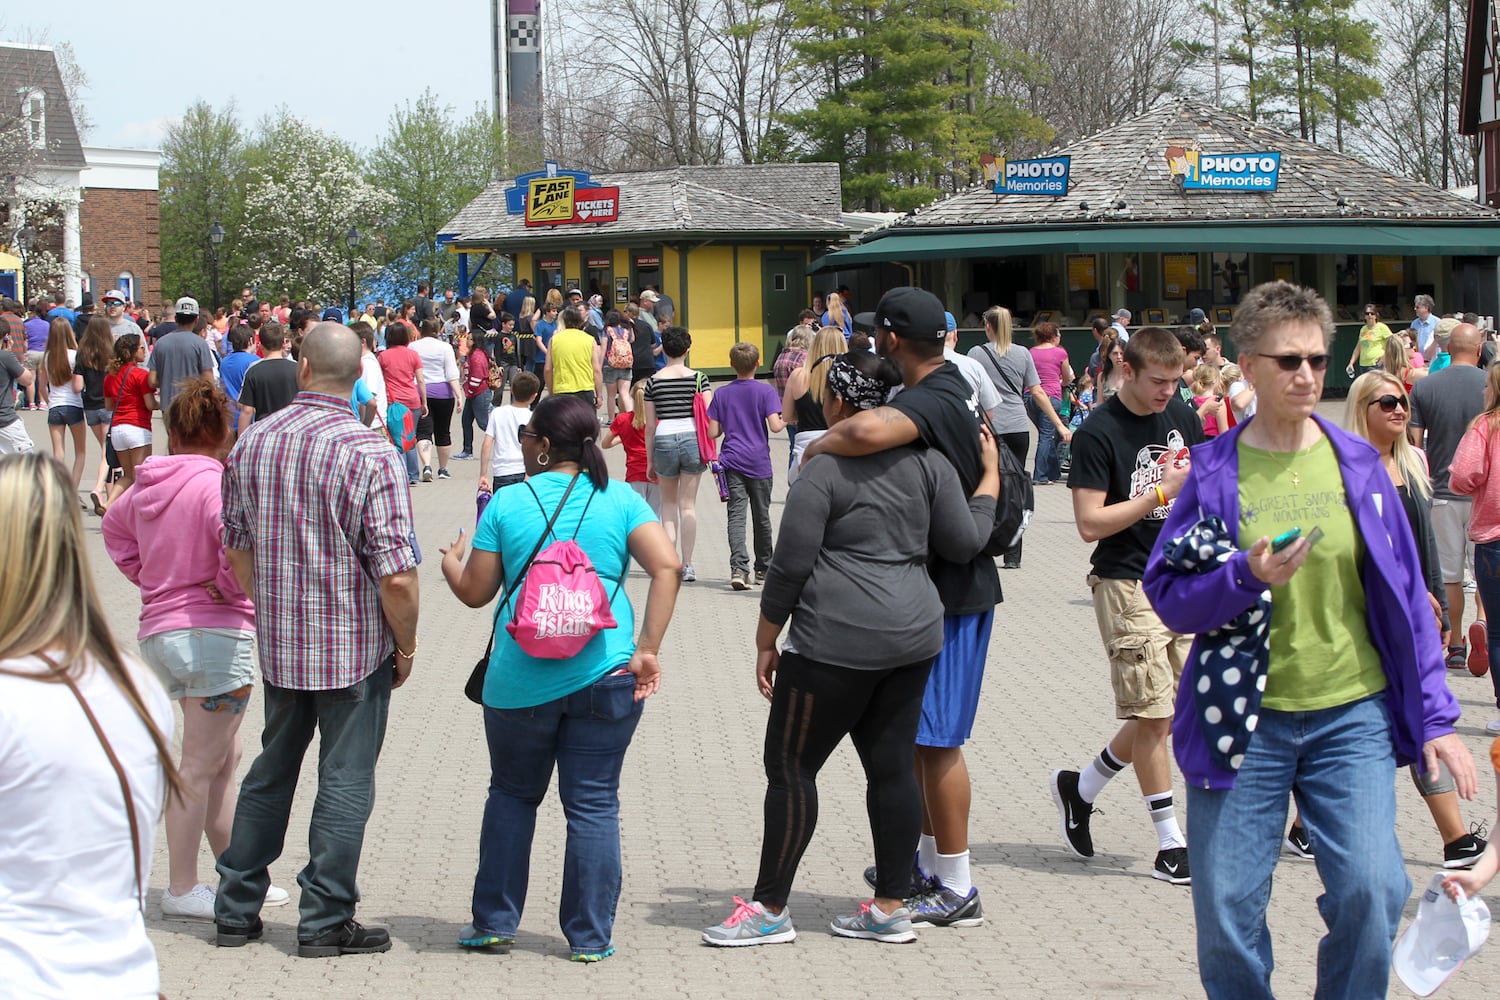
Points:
point(481, 501)
point(720, 477)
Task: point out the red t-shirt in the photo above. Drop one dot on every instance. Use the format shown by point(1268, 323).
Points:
point(400, 365)
point(634, 442)
point(129, 388)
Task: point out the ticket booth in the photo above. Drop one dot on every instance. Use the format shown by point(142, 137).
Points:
point(645, 270)
point(549, 274)
point(598, 277)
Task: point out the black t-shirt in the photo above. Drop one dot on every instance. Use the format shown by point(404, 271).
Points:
point(642, 350)
point(93, 384)
point(481, 316)
point(946, 411)
point(1125, 455)
point(269, 385)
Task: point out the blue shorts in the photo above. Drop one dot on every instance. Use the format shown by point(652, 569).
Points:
point(676, 455)
point(952, 698)
point(201, 662)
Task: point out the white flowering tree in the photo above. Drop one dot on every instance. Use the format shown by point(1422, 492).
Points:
point(304, 194)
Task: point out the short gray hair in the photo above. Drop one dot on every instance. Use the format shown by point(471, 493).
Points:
point(800, 339)
point(1274, 304)
point(1424, 300)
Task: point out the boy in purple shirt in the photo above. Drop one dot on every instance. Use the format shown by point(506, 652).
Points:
point(746, 412)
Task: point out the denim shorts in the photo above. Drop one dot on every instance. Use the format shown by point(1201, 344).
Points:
point(96, 417)
point(674, 455)
point(64, 416)
point(613, 375)
point(201, 662)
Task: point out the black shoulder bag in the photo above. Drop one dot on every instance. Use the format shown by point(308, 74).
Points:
point(474, 689)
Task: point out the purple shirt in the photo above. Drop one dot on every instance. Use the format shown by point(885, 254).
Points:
point(741, 408)
point(36, 333)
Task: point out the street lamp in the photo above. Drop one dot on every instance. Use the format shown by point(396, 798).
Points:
point(215, 238)
point(352, 239)
point(25, 240)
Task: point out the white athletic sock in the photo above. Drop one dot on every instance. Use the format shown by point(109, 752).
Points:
point(1164, 817)
point(927, 854)
point(1093, 778)
point(953, 871)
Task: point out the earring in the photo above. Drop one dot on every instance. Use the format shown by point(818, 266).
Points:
point(543, 458)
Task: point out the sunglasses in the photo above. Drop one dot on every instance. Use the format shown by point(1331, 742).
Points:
point(522, 434)
point(1389, 402)
point(1293, 362)
point(1372, 314)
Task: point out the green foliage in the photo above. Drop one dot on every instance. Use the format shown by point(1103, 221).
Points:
point(903, 105)
point(203, 169)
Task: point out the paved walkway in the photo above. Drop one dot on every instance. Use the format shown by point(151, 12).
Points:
point(1056, 927)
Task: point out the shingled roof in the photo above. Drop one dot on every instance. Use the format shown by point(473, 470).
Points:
point(781, 200)
point(24, 68)
point(1127, 162)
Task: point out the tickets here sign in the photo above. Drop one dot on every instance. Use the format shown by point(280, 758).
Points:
point(1202, 171)
point(1047, 177)
point(546, 204)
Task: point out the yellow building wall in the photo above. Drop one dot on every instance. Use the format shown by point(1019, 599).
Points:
point(751, 314)
point(710, 313)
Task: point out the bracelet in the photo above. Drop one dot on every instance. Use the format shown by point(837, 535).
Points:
point(1161, 498)
point(405, 655)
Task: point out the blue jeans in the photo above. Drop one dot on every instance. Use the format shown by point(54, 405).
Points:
point(476, 411)
point(1048, 464)
point(1339, 763)
point(586, 735)
point(351, 722)
point(1487, 583)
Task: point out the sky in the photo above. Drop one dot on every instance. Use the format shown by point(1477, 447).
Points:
point(342, 65)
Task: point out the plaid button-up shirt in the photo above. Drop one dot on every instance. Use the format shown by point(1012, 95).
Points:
point(322, 502)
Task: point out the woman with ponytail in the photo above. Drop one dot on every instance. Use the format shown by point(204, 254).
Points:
point(84, 733)
point(574, 715)
point(197, 628)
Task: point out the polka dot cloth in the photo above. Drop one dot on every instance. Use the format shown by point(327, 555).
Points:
point(1230, 662)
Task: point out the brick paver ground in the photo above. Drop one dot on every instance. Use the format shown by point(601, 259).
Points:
point(691, 800)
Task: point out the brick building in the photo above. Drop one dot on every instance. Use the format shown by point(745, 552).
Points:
point(120, 223)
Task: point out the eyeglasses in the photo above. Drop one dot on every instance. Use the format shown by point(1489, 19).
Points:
point(1293, 362)
point(522, 434)
point(1389, 402)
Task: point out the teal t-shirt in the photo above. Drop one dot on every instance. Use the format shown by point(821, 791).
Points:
point(511, 525)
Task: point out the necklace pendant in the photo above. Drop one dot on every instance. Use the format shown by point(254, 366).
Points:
point(1296, 479)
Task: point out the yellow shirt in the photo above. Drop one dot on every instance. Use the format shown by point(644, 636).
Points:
point(1372, 344)
point(572, 361)
point(1322, 654)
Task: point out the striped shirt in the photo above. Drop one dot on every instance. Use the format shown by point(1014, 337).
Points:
point(673, 397)
point(322, 502)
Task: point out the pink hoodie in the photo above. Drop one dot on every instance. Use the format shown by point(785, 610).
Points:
point(164, 534)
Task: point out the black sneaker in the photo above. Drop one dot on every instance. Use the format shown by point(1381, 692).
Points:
point(238, 937)
point(351, 938)
point(920, 882)
point(1172, 866)
point(1073, 812)
point(940, 906)
point(760, 577)
point(444, 474)
point(1463, 852)
point(1297, 842)
point(426, 473)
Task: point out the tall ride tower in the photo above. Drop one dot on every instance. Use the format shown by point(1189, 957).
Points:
point(516, 69)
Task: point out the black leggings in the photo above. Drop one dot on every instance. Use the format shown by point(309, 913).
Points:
point(1019, 442)
point(441, 411)
point(813, 707)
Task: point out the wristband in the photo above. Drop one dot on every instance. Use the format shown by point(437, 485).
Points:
point(1161, 498)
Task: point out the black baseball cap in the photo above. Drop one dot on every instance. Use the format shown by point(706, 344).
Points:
point(913, 313)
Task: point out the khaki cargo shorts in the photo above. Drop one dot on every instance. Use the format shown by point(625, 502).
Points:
point(1145, 657)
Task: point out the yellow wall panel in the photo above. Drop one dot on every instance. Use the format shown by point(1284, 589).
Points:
point(710, 297)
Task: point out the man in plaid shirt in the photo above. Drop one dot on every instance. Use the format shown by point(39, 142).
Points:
point(318, 529)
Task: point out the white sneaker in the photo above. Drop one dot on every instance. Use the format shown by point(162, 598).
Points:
point(689, 575)
point(277, 896)
point(1492, 726)
point(195, 904)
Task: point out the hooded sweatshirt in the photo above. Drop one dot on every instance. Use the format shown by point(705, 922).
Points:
point(164, 534)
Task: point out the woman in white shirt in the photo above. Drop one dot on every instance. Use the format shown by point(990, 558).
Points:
point(73, 867)
point(65, 403)
point(440, 370)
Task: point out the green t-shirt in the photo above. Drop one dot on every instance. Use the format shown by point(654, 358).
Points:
point(1322, 654)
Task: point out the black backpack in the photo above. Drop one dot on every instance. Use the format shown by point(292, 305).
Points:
point(1014, 508)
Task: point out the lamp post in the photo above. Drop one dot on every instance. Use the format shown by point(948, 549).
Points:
point(352, 239)
point(25, 240)
point(215, 238)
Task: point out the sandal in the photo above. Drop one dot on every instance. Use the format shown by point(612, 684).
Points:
point(99, 507)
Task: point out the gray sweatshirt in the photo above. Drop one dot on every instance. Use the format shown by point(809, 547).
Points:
point(851, 559)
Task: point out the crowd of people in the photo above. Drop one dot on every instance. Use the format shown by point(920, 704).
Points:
point(273, 543)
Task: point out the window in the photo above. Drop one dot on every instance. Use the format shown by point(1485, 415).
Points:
point(1489, 145)
point(126, 284)
point(34, 107)
point(779, 282)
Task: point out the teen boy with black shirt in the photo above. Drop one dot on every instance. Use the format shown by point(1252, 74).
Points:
point(271, 383)
point(937, 409)
point(1130, 459)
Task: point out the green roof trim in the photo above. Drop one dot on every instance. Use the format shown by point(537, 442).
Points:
point(1425, 240)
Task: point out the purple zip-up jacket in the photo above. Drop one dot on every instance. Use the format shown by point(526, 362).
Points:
point(1417, 697)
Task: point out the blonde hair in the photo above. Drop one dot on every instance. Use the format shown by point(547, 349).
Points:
point(997, 326)
point(829, 340)
point(638, 416)
point(56, 615)
point(1365, 390)
point(1491, 412)
point(1396, 358)
point(1206, 377)
point(555, 298)
point(835, 310)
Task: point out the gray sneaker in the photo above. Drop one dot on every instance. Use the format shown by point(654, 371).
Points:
point(749, 925)
point(871, 924)
point(739, 580)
